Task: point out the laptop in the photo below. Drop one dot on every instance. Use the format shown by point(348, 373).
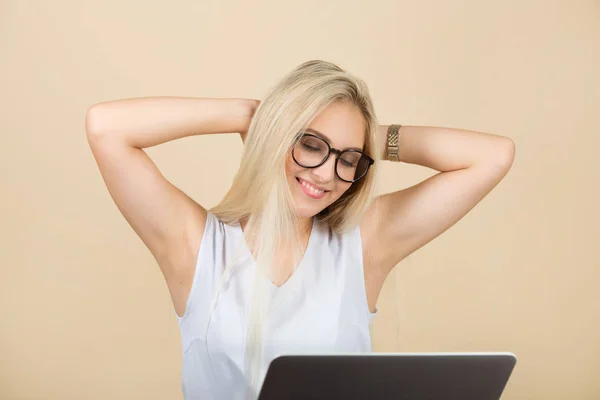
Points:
point(387, 376)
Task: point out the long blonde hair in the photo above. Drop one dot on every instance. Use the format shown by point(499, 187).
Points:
point(260, 193)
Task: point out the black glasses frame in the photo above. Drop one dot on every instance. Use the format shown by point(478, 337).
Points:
point(338, 154)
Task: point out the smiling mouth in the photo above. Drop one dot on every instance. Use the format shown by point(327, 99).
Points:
point(310, 191)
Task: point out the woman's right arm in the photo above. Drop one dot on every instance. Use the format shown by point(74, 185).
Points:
point(168, 221)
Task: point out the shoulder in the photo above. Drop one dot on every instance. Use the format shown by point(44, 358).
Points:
point(201, 262)
point(201, 245)
point(349, 243)
point(213, 230)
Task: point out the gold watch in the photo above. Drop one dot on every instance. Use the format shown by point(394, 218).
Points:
point(392, 143)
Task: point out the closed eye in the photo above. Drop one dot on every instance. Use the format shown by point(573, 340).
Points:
point(311, 148)
point(347, 163)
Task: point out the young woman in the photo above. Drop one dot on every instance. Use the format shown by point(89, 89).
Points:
point(293, 258)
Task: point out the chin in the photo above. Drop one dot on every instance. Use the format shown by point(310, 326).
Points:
point(305, 205)
point(305, 211)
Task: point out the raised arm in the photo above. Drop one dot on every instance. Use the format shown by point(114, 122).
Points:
point(470, 165)
point(168, 221)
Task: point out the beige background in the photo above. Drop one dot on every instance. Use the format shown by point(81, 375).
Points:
point(85, 313)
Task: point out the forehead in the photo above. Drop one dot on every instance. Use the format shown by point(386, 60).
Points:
point(343, 124)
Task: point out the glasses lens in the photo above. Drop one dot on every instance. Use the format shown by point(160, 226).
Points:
point(352, 165)
point(310, 151)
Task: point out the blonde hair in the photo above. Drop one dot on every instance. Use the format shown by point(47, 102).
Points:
point(272, 225)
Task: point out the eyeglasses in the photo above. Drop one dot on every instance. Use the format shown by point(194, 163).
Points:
point(311, 151)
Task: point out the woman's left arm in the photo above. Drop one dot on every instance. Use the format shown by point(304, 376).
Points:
point(470, 165)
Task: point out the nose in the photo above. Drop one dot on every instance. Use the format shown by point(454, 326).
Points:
point(326, 172)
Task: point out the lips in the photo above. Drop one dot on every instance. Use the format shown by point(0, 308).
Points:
point(312, 184)
point(308, 192)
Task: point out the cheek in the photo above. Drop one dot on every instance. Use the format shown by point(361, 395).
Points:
point(340, 189)
point(291, 171)
point(291, 168)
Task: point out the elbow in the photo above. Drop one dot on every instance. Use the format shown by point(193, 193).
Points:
point(506, 152)
point(99, 121)
point(502, 157)
point(499, 156)
point(93, 121)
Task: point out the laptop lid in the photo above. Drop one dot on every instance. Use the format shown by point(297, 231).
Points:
point(387, 376)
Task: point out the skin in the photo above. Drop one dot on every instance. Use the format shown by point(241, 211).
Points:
point(344, 126)
point(171, 224)
point(470, 165)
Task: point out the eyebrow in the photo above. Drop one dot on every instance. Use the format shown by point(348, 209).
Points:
point(329, 140)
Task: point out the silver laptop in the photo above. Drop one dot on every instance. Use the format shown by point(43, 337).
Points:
point(387, 376)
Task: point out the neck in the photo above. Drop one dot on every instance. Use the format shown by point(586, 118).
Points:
point(306, 225)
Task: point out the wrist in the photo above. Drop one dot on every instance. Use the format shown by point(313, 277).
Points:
point(382, 131)
point(389, 142)
point(247, 110)
point(248, 107)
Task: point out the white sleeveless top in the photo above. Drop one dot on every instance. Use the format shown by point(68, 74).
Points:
point(321, 308)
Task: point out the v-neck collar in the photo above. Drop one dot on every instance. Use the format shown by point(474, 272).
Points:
point(298, 268)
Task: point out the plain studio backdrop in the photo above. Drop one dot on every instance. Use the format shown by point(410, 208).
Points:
point(85, 312)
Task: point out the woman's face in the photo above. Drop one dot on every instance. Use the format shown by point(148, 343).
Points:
point(343, 126)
